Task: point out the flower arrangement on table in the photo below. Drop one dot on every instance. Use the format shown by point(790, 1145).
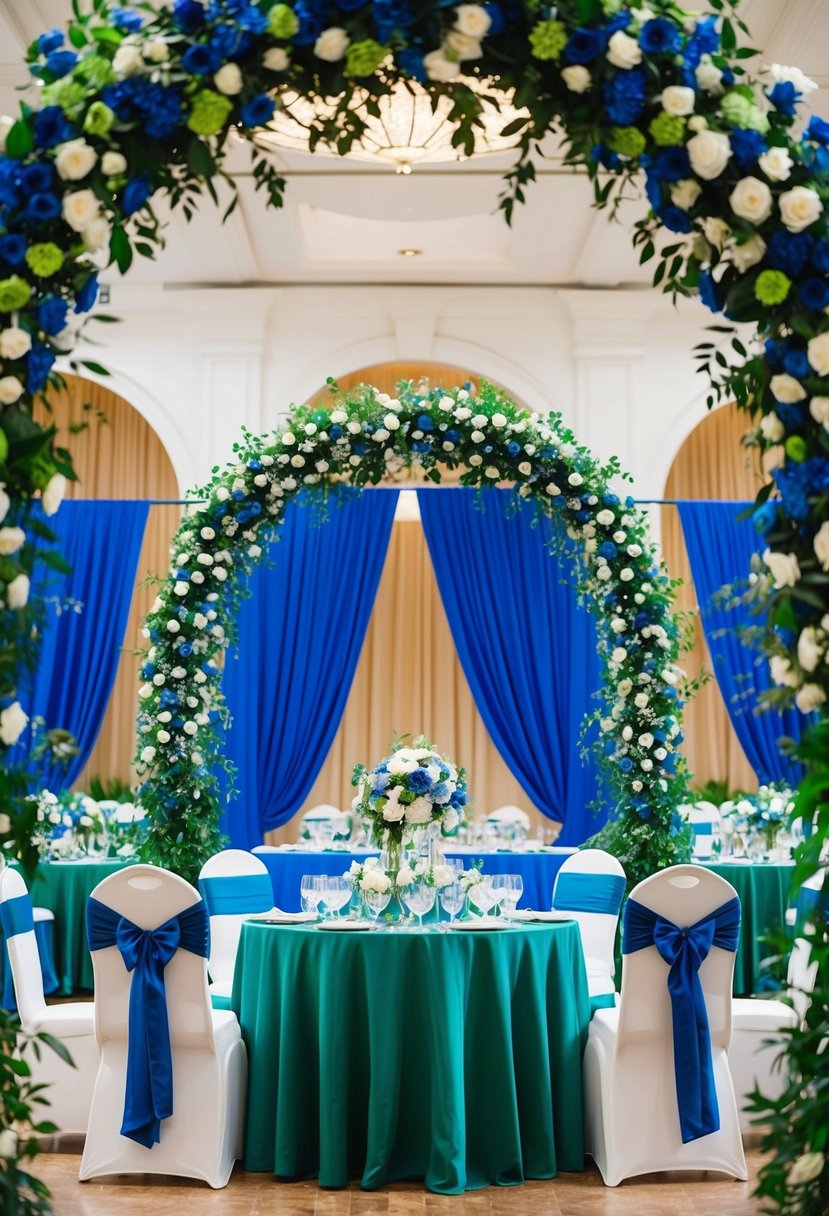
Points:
point(70, 824)
point(367, 876)
point(761, 817)
point(423, 870)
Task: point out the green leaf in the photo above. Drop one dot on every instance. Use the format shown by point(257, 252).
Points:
point(200, 159)
point(120, 250)
point(19, 141)
point(98, 368)
point(58, 1046)
point(107, 34)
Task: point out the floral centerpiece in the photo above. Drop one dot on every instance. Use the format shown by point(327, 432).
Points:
point(762, 816)
point(410, 789)
point(69, 824)
point(422, 870)
point(368, 875)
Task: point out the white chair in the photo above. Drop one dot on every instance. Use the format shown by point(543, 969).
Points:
point(203, 1136)
point(510, 816)
point(323, 823)
point(590, 885)
point(704, 819)
point(235, 886)
point(70, 1088)
point(755, 1054)
point(632, 1110)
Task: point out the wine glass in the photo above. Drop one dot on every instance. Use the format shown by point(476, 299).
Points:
point(419, 899)
point(451, 899)
point(376, 902)
point(310, 892)
point(336, 894)
point(483, 896)
point(510, 889)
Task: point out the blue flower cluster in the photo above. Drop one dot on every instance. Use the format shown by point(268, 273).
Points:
point(157, 107)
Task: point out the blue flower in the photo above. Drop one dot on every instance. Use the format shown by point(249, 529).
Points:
point(135, 193)
point(185, 650)
point(675, 219)
point(706, 35)
point(87, 294)
point(817, 130)
point(604, 156)
point(624, 96)
point(584, 46)
point(765, 517)
point(52, 127)
point(390, 17)
point(257, 111)
point(497, 19)
point(814, 294)
point(229, 42)
point(789, 251)
point(425, 423)
point(251, 19)
point(50, 41)
point(60, 63)
point(453, 436)
point(311, 23)
point(626, 764)
point(51, 314)
point(39, 364)
point(791, 414)
point(420, 447)
point(820, 256)
point(38, 176)
point(795, 361)
point(335, 432)
point(126, 19)
point(673, 164)
point(747, 146)
point(784, 97)
point(419, 782)
point(709, 292)
point(660, 37)
point(201, 60)
point(12, 248)
point(411, 61)
point(43, 207)
point(159, 109)
point(188, 15)
point(350, 6)
point(608, 550)
point(513, 448)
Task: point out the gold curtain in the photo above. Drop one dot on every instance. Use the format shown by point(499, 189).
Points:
point(710, 464)
point(117, 454)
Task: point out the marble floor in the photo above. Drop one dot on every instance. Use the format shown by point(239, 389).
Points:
point(257, 1194)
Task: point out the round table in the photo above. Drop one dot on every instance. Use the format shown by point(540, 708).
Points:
point(448, 1056)
point(764, 889)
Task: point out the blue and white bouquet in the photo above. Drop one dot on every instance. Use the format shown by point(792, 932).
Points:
point(69, 824)
point(410, 788)
point(764, 815)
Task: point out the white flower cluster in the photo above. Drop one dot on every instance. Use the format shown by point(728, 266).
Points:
point(461, 43)
point(420, 870)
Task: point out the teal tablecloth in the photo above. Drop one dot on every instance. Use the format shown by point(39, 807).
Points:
point(764, 890)
point(452, 1057)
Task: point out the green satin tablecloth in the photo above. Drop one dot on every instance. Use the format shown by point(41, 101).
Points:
point(65, 887)
point(764, 889)
point(452, 1057)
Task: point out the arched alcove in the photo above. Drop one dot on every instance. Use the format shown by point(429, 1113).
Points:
point(117, 454)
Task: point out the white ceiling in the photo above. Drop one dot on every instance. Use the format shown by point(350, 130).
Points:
point(344, 222)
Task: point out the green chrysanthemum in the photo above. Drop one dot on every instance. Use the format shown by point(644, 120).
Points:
point(14, 293)
point(364, 58)
point(796, 448)
point(95, 70)
point(548, 39)
point(67, 93)
point(627, 141)
point(667, 129)
point(282, 21)
point(99, 119)
point(44, 259)
point(209, 112)
point(740, 112)
point(772, 287)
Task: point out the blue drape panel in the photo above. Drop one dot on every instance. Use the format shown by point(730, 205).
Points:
point(527, 647)
point(720, 547)
point(101, 541)
point(300, 636)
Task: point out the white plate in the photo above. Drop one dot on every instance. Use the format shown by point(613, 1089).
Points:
point(483, 923)
point(543, 918)
point(287, 918)
point(344, 926)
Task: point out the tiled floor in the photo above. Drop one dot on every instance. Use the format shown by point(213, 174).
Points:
point(257, 1194)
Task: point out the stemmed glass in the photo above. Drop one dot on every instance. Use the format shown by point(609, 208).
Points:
point(508, 890)
point(376, 902)
point(336, 893)
point(451, 899)
point(483, 896)
point(419, 899)
point(310, 889)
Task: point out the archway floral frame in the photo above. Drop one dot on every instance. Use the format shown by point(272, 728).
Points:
point(138, 100)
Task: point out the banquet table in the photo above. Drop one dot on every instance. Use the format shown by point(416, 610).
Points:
point(764, 889)
point(537, 869)
point(448, 1056)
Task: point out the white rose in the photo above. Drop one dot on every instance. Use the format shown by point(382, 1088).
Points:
point(163, 736)
point(11, 390)
point(709, 76)
point(127, 60)
point(113, 164)
point(156, 50)
point(75, 159)
point(80, 208)
point(818, 351)
point(17, 592)
point(6, 826)
point(806, 1168)
point(624, 687)
point(785, 75)
point(821, 544)
point(52, 496)
point(228, 79)
point(772, 428)
point(810, 696)
point(148, 755)
point(784, 568)
point(818, 408)
point(646, 740)
point(12, 723)
point(710, 152)
point(14, 343)
point(785, 388)
point(332, 44)
point(438, 67)
point(419, 811)
point(800, 207)
point(11, 538)
point(605, 518)
point(782, 671)
point(97, 235)
point(685, 194)
point(623, 51)
point(776, 164)
point(462, 45)
point(8, 1137)
point(809, 652)
point(577, 78)
point(678, 100)
point(499, 420)
point(640, 700)
point(751, 200)
point(276, 60)
point(472, 19)
point(716, 231)
point(391, 422)
point(749, 253)
point(405, 876)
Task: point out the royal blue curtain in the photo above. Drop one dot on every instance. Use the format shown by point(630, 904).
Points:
point(720, 547)
point(300, 636)
point(527, 647)
point(84, 631)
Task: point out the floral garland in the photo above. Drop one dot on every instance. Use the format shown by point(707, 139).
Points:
point(363, 439)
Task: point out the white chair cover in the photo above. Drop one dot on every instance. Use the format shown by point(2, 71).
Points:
point(704, 818)
point(632, 1114)
point(70, 1089)
point(512, 816)
point(590, 886)
point(235, 886)
point(203, 1136)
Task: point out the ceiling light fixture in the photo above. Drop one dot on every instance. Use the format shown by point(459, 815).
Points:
point(410, 253)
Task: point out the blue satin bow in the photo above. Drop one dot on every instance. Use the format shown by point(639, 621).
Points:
point(149, 1089)
point(684, 951)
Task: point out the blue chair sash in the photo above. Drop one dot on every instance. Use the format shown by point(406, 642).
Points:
point(703, 829)
point(237, 894)
point(684, 950)
point(16, 916)
point(589, 893)
point(149, 1090)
